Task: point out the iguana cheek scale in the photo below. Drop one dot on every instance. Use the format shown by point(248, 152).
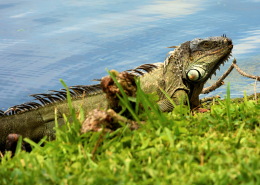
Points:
point(184, 72)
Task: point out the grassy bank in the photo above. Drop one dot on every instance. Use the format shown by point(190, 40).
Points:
point(217, 147)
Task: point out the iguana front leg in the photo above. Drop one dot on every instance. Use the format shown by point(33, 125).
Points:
point(165, 104)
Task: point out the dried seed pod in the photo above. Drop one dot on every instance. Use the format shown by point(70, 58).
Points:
point(127, 82)
point(109, 120)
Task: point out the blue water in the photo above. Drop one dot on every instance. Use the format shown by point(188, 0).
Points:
point(75, 40)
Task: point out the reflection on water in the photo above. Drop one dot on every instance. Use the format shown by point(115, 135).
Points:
point(248, 44)
point(43, 41)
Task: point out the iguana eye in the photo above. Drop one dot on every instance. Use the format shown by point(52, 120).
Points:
point(193, 75)
point(206, 44)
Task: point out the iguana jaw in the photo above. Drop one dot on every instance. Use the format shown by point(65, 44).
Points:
point(206, 57)
point(222, 61)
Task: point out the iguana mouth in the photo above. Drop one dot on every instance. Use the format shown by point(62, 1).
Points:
point(218, 51)
point(230, 46)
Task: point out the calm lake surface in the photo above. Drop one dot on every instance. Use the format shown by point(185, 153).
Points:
point(75, 40)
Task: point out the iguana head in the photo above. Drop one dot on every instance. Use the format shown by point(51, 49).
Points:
point(206, 55)
point(191, 64)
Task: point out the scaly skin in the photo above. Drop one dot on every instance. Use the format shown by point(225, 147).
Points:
point(184, 72)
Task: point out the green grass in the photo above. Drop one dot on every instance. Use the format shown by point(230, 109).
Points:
point(217, 147)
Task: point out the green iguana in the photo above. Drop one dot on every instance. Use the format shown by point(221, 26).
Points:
point(184, 71)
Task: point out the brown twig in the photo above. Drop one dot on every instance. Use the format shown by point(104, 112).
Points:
point(201, 160)
point(219, 82)
point(209, 99)
point(1, 154)
point(248, 76)
point(193, 110)
point(98, 143)
point(245, 74)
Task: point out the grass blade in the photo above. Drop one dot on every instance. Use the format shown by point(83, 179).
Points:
point(72, 110)
point(228, 106)
point(172, 102)
point(124, 100)
point(19, 145)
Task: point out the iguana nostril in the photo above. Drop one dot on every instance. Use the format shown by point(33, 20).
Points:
point(225, 41)
point(228, 41)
